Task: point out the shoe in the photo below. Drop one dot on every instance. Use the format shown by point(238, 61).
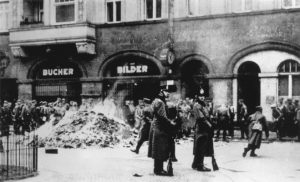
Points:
point(135, 151)
point(253, 155)
point(161, 173)
point(245, 152)
point(204, 169)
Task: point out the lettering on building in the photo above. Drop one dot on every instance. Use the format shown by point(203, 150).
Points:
point(58, 72)
point(132, 69)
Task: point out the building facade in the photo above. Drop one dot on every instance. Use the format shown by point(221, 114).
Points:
point(223, 49)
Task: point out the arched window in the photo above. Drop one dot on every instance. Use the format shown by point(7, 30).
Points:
point(289, 78)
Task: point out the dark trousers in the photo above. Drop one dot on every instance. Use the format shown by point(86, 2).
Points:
point(244, 129)
point(224, 133)
point(139, 144)
point(231, 128)
point(198, 161)
point(173, 156)
point(158, 165)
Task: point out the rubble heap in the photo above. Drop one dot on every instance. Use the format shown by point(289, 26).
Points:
point(84, 129)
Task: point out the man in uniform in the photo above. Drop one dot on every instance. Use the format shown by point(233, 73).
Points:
point(147, 117)
point(160, 136)
point(201, 138)
point(242, 118)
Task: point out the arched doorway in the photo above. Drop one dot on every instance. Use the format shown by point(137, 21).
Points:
point(249, 85)
point(56, 78)
point(193, 79)
point(130, 76)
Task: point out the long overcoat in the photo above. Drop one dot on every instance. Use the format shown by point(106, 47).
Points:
point(256, 135)
point(202, 134)
point(160, 135)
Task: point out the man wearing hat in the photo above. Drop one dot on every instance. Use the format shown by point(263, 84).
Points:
point(147, 116)
point(160, 134)
point(257, 125)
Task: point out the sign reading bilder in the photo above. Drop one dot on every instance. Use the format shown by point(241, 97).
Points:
point(132, 68)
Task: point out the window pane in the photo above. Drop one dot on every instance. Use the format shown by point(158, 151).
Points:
point(118, 9)
point(287, 3)
point(283, 86)
point(248, 5)
point(158, 8)
point(296, 85)
point(297, 3)
point(65, 13)
point(192, 7)
point(149, 8)
point(110, 12)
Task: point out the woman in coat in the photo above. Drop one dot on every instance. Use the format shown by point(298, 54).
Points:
point(258, 124)
point(160, 134)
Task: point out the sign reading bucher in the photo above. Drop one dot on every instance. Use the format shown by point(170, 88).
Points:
point(58, 70)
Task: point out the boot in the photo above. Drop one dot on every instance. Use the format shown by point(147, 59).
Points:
point(245, 152)
point(203, 168)
point(252, 154)
point(135, 151)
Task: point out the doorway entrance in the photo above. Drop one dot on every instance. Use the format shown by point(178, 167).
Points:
point(249, 85)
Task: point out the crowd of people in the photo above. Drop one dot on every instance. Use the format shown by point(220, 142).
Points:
point(28, 115)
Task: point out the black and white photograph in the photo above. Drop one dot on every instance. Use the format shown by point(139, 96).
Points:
point(149, 90)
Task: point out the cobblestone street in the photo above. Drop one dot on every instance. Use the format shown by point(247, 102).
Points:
point(276, 161)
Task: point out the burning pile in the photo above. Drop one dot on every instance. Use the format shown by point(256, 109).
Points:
point(81, 129)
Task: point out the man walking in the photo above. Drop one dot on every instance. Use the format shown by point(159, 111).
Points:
point(147, 117)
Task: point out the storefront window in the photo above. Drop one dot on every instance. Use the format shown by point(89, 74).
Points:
point(65, 11)
point(4, 15)
point(289, 79)
point(113, 8)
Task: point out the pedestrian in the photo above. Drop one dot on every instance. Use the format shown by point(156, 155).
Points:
point(138, 115)
point(242, 119)
point(147, 117)
point(231, 121)
point(289, 114)
point(278, 120)
point(222, 115)
point(201, 135)
point(160, 137)
point(257, 125)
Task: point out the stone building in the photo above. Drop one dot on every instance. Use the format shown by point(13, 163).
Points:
point(225, 49)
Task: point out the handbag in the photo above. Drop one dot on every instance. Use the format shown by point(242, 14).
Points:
point(257, 126)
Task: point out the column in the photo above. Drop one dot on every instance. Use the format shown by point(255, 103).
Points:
point(269, 92)
point(221, 90)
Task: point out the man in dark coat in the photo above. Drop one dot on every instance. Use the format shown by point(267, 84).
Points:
point(242, 119)
point(257, 125)
point(202, 134)
point(147, 116)
point(160, 136)
point(289, 114)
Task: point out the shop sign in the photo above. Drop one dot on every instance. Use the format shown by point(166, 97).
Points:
point(58, 72)
point(132, 69)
